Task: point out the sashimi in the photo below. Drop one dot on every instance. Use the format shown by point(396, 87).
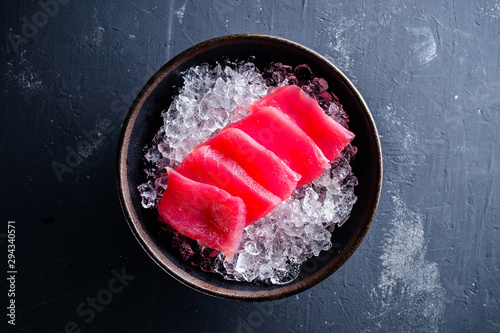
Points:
point(329, 135)
point(203, 212)
point(259, 162)
point(209, 166)
point(274, 130)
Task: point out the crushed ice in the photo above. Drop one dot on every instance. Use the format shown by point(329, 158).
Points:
point(273, 248)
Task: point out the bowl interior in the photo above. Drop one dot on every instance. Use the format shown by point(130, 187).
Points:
point(144, 120)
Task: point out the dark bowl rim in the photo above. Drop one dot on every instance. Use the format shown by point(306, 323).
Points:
point(144, 239)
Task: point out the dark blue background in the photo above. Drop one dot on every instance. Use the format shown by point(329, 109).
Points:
point(430, 72)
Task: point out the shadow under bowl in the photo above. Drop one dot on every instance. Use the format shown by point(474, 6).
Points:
point(144, 120)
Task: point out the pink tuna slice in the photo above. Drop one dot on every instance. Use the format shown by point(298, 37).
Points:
point(274, 130)
point(259, 162)
point(329, 135)
point(206, 165)
point(203, 212)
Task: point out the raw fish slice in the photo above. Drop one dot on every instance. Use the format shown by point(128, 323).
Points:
point(329, 135)
point(259, 162)
point(203, 212)
point(274, 130)
point(208, 166)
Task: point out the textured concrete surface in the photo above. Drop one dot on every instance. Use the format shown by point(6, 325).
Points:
point(430, 72)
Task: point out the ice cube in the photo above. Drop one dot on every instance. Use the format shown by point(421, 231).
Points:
point(324, 179)
point(161, 184)
point(259, 90)
point(245, 260)
point(310, 203)
point(265, 271)
point(163, 148)
point(313, 231)
point(152, 155)
point(292, 230)
point(148, 195)
point(252, 247)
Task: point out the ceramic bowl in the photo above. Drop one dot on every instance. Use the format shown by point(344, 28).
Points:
point(144, 120)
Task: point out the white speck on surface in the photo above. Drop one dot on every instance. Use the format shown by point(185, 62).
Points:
point(424, 47)
point(259, 5)
point(491, 9)
point(408, 281)
point(97, 35)
point(456, 96)
point(409, 136)
point(25, 79)
point(22, 75)
point(390, 115)
point(339, 48)
point(180, 12)
point(410, 140)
